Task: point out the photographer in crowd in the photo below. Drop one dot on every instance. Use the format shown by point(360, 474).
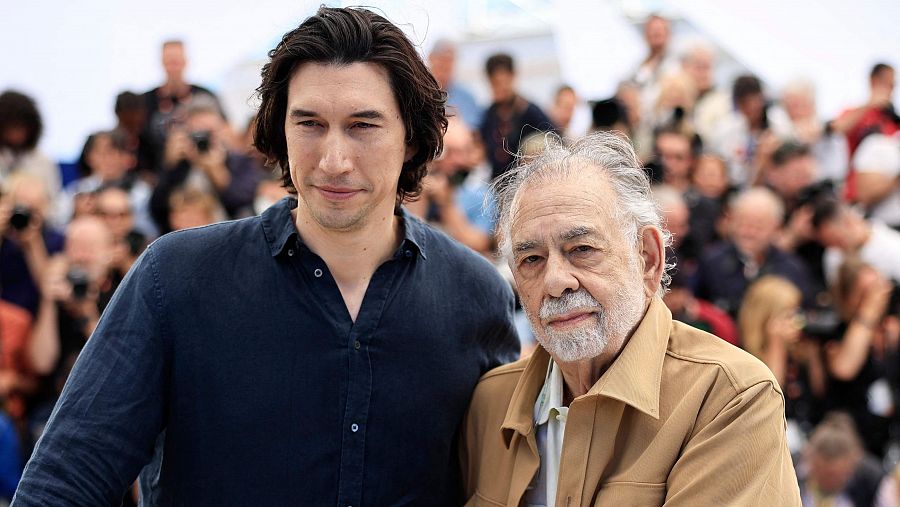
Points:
point(197, 156)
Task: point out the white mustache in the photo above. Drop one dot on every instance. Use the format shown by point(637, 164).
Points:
point(568, 302)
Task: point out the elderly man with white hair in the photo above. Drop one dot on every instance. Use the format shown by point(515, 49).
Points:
point(620, 403)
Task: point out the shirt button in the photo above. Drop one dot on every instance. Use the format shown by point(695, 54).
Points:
point(354, 427)
point(408, 254)
point(290, 252)
point(357, 345)
point(318, 273)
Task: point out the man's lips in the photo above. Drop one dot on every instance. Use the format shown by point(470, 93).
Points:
point(570, 319)
point(338, 193)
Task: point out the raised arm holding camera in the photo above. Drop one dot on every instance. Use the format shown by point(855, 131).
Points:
point(197, 156)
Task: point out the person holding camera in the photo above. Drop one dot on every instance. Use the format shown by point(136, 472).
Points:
point(76, 287)
point(197, 156)
point(25, 240)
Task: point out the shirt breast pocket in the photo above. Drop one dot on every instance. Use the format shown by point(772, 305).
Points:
point(631, 494)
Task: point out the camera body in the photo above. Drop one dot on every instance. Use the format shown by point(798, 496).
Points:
point(80, 281)
point(20, 218)
point(201, 139)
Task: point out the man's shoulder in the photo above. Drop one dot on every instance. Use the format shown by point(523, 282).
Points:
point(735, 367)
point(495, 388)
point(222, 238)
point(441, 247)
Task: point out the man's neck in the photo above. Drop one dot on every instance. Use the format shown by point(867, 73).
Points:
point(352, 256)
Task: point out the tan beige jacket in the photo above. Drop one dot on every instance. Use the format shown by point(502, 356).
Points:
point(679, 418)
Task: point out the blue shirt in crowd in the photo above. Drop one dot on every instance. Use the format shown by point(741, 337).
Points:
point(235, 339)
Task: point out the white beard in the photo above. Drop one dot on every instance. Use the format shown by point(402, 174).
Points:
point(612, 325)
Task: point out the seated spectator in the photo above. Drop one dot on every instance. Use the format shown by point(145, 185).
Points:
point(197, 157)
point(710, 178)
point(20, 131)
point(131, 116)
point(697, 312)
point(844, 232)
point(835, 470)
point(460, 101)
point(510, 118)
point(454, 192)
point(746, 138)
point(861, 355)
point(771, 328)
point(797, 112)
point(712, 104)
point(26, 240)
point(114, 207)
point(792, 169)
point(193, 208)
point(105, 162)
point(877, 164)
point(749, 252)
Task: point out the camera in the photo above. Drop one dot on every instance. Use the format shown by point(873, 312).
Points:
point(20, 218)
point(201, 140)
point(79, 280)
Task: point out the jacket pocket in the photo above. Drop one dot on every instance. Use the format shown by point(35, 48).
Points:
point(631, 494)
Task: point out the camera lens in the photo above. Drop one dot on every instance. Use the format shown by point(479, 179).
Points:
point(20, 218)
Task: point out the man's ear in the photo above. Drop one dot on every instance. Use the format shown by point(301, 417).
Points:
point(411, 150)
point(653, 257)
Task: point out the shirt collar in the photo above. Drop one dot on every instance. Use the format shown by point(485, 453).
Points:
point(279, 228)
point(633, 378)
point(551, 396)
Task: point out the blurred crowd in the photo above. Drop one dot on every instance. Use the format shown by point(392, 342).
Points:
point(785, 227)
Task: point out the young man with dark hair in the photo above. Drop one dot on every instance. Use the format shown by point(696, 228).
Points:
point(323, 353)
point(510, 118)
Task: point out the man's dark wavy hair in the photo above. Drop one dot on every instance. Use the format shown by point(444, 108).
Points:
point(343, 36)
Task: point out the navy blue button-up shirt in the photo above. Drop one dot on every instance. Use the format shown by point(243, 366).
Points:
point(236, 340)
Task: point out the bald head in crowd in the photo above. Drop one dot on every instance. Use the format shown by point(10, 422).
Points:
point(755, 217)
point(89, 245)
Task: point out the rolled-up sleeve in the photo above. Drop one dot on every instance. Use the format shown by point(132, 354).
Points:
point(102, 430)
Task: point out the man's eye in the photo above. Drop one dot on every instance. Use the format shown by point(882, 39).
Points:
point(308, 123)
point(363, 125)
point(531, 259)
point(582, 249)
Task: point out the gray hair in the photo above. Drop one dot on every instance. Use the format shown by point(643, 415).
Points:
point(613, 156)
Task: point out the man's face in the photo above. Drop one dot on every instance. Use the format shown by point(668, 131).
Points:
point(441, 63)
point(675, 154)
point(699, 66)
point(710, 177)
point(115, 209)
point(346, 143)
point(206, 121)
point(831, 474)
point(173, 61)
point(579, 279)
point(678, 222)
point(753, 228)
point(502, 82)
point(752, 106)
point(108, 161)
point(790, 178)
point(89, 246)
point(457, 151)
point(884, 80)
point(656, 32)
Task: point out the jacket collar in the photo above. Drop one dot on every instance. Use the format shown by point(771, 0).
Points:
point(633, 378)
point(279, 229)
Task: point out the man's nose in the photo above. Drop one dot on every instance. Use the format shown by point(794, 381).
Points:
point(559, 276)
point(336, 154)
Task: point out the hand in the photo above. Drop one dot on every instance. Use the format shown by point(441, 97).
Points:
point(32, 236)
point(875, 300)
point(800, 224)
point(6, 207)
point(54, 286)
point(212, 160)
point(178, 147)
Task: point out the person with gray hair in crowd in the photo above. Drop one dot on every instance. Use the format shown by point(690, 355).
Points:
point(653, 411)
